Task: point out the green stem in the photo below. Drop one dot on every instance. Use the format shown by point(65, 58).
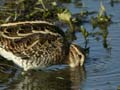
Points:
point(43, 5)
point(71, 26)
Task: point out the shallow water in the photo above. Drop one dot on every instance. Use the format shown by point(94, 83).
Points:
point(102, 67)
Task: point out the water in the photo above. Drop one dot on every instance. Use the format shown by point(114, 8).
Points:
point(102, 67)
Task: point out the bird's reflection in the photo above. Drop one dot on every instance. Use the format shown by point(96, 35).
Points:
point(64, 79)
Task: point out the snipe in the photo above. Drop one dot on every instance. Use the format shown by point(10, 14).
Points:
point(38, 44)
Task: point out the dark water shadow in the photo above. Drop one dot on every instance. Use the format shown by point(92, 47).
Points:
point(65, 79)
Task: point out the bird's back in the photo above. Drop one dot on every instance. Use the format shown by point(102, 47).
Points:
point(32, 45)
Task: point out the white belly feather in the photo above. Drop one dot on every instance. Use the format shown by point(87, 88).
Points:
point(18, 61)
point(10, 56)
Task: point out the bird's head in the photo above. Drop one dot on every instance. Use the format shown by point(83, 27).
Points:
point(76, 56)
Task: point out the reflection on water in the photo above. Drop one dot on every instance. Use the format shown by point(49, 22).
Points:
point(65, 79)
point(57, 77)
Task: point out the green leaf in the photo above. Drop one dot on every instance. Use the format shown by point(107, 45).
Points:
point(102, 10)
point(64, 16)
point(84, 32)
point(54, 3)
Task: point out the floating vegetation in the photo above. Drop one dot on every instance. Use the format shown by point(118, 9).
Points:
point(102, 20)
point(118, 88)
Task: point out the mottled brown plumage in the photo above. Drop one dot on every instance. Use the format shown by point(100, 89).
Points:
point(36, 45)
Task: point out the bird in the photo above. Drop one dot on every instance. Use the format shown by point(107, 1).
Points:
point(37, 45)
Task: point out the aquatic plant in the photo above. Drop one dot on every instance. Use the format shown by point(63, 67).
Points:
point(102, 20)
point(66, 17)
